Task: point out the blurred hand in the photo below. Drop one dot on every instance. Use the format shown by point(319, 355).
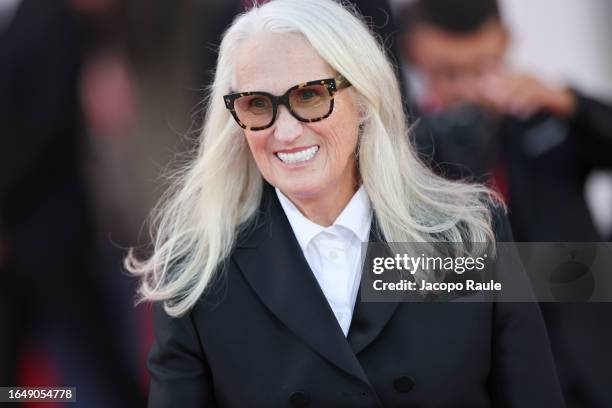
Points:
point(522, 95)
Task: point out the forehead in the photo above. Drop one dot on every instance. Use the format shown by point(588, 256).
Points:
point(431, 47)
point(273, 62)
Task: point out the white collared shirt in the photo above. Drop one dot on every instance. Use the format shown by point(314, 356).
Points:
point(334, 253)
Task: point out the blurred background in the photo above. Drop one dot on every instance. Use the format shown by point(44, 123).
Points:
point(99, 97)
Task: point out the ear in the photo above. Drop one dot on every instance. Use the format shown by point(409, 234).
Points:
point(361, 108)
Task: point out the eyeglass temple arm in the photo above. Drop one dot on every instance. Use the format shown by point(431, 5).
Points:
point(342, 82)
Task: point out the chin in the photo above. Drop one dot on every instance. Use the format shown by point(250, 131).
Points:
point(296, 189)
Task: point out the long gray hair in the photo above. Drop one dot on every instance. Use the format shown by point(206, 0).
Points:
point(194, 227)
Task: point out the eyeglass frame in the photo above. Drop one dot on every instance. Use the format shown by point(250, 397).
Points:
point(332, 85)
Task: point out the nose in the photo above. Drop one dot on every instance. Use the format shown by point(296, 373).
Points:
point(287, 127)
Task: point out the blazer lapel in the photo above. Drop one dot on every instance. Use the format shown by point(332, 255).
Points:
point(369, 318)
point(272, 261)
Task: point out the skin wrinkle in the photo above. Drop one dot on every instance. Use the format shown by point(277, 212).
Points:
point(321, 188)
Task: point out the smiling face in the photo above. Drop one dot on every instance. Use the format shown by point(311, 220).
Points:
point(306, 161)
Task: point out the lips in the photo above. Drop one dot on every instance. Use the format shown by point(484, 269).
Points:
point(297, 155)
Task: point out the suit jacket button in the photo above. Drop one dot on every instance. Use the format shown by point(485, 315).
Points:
point(403, 383)
point(299, 399)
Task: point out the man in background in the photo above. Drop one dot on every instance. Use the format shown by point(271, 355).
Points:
point(533, 141)
point(537, 140)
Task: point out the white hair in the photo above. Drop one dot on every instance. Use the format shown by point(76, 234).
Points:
point(214, 197)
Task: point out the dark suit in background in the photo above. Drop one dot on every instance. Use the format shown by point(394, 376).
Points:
point(547, 203)
point(545, 162)
point(548, 161)
point(265, 336)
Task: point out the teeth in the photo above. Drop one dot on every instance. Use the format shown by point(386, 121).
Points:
point(300, 156)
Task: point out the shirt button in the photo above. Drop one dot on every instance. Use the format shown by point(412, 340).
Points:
point(333, 254)
point(339, 315)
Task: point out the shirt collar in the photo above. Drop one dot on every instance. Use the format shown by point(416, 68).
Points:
point(356, 217)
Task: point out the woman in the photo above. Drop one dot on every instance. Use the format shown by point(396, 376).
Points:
point(304, 155)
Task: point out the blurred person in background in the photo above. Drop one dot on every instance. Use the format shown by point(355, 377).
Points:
point(481, 118)
point(51, 296)
point(535, 141)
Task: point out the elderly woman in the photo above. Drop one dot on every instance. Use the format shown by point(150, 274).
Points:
point(256, 266)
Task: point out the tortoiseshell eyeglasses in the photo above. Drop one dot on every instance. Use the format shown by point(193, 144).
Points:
point(307, 102)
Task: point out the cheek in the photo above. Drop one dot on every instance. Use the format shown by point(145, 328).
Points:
point(341, 133)
point(339, 142)
point(257, 142)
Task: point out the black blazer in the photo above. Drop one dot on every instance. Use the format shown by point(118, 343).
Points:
point(265, 336)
